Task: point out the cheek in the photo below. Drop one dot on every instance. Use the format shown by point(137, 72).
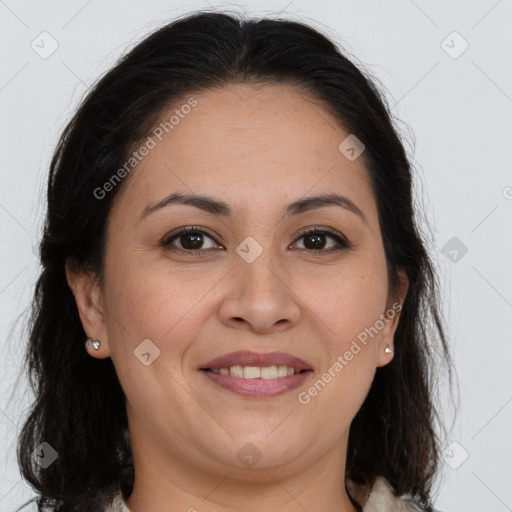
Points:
point(347, 317)
point(345, 302)
point(343, 319)
point(148, 300)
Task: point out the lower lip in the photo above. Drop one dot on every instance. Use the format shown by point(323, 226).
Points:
point(258, 388)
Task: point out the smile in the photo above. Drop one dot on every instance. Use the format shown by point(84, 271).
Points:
point(257, 382)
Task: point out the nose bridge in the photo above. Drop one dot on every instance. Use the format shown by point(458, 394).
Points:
point(260, 293)
point(259, 270)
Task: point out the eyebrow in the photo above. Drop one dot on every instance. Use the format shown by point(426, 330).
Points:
point(217, 207)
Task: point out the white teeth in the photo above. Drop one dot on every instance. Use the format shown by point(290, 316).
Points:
point(282, 371)
point(255, 372)
point(269, 372)
point(252, 372)
point(237, 371)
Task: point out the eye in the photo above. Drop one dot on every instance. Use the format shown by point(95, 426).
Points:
point(190, 240)
point(314, 241)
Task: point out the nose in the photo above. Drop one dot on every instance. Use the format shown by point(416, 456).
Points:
point(265, 301)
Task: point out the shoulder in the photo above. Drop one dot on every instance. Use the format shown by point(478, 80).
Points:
point(380, 497)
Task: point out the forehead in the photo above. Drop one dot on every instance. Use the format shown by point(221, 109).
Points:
point(253, 145)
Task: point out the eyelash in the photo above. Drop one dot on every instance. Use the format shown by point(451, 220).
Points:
point(343, 244)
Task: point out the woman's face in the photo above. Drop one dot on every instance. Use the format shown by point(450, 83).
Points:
point(246, 279)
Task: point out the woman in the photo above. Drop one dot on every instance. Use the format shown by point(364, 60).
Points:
point(231, 232)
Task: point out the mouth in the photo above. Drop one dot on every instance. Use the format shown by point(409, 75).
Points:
point(256, 372)
point(257, 375)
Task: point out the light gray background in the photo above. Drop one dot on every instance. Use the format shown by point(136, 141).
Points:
point(460, 112)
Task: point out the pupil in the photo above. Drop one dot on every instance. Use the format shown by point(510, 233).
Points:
point(317, 241)
point(196, 241)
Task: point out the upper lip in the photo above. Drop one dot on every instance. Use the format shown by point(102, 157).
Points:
point(247, 358)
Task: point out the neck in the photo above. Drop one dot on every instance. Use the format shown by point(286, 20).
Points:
point(164, 482)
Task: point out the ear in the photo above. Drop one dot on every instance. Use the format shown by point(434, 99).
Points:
point(390, 319)
point(89, 301)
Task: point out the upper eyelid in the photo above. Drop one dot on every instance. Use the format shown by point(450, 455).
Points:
point(175, 233)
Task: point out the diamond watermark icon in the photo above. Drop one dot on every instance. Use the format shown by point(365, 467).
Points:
point(454, 45)
point(249, 249)
point(455, 455)
point(454, 250)
point(45, 455)
point(146, 352)
point(351, 147)
point(249, 455)
point(44, 45)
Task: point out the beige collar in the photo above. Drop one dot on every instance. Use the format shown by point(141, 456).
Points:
point(379, 498)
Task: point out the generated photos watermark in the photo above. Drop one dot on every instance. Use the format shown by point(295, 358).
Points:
point(304, 397)
point(149, 144)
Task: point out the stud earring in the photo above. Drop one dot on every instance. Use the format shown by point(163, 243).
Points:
point(94, 343)
point(388, 350)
